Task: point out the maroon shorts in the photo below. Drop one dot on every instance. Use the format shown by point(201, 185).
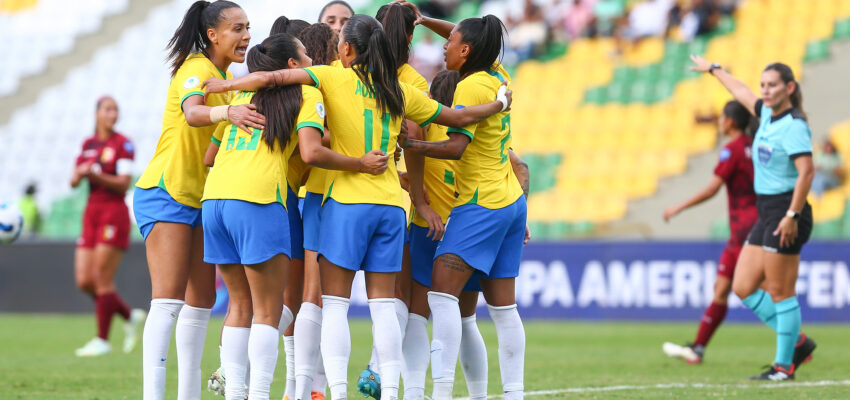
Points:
point(107, 223)
point(729, 259)
point(741, 223)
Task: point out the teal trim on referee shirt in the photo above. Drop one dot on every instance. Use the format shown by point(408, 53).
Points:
point(433, 117)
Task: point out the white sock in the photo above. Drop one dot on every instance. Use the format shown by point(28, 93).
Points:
point(190, 337)
point(374, 364)
point(262, 353)
point(511, 337)
point(156, 339)
point(446, 343)
point(388, 342)
point(320, 382)
point(336, 343)
point(401, 314)
point(234, 360)
point(308, 331)
point(286, 318)
point(415, 353)
point(473, 359)
point(289, 353)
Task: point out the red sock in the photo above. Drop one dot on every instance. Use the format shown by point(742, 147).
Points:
point(713, 317)
point(107, 305)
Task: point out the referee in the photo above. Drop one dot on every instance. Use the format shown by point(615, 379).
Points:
point(783, 175)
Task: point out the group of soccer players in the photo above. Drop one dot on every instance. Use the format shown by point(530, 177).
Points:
point(332, 129)
point(325, 110)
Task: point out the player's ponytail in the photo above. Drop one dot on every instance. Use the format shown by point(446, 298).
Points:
point(281, 104)
point(191, 36)
point(443, 87)
point(787, 76)
point(398, 25)
point(320, 41)
point(485, 37)
point(286, 25)
point(375, 63)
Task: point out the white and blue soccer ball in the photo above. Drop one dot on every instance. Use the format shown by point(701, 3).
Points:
point(11, 223)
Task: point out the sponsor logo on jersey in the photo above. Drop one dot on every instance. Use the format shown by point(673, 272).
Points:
point(108, 155)
point(725, 154)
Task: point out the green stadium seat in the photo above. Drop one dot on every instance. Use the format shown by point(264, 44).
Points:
point(830, 230)
point(817, 51)
point(842, 29)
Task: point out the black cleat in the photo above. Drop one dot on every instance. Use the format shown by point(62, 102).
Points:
point(775, 373)
point(803, 350)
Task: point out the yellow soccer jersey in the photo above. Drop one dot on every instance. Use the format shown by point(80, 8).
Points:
point(486, 176)
point(357, 126)
point(295, 171)
point(178, 163)
point(246, 168)
point(439, 179)
point(316, 181)
point(410, 76)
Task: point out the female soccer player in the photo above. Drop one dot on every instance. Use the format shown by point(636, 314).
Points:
point(320, 41)
point(488, 226)
point(783, 175)
point(167, 202)
point(398, 22)
point(335, 14)
point(246, 227)
point(106, 161)
point(362, 220)
point(735, 169)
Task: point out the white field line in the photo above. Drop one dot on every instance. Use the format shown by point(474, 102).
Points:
point(679, 386)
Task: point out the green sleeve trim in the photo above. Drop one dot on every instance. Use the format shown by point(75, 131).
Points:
point(215, 141)
point(460, 130)
point(312, 75)
point(433, 117)
point(189, 95)
point(311, 124)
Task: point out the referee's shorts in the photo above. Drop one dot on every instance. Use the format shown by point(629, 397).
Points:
point(772, 209)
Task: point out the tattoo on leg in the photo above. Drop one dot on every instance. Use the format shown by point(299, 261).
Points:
point(453, 262)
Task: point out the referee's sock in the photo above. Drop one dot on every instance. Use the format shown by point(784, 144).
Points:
point(763, 307)
point(788, 320)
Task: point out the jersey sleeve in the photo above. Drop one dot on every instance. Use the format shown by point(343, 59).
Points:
point(312, 112)
point(323, 74)
point(469, 93)
point(725, 164)
point(798, 140)
point(418, 107)
point(189, 79)
point(128, 151)
point(218, 134)
point(80, 159)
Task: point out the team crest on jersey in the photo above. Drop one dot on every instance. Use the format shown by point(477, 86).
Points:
point(108, 155)
point(191, 82)
point(320, 109)
point(764, 152)
point(725, 154)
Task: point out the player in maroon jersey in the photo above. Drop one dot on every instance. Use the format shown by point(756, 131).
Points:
point(106, 161)
point(735, 169)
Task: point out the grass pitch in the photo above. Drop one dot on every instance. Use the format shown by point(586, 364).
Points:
point(581, 360)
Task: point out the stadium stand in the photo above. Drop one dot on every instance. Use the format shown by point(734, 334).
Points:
point(29, 19)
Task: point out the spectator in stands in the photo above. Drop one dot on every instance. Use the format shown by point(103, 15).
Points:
point(697, 18)
point(528, 34)
point(829, 169)
point(606, 14)
point(574, 18)
point(29, 209)
point(427, 57)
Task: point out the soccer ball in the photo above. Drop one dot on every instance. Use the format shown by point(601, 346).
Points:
point(11, 223)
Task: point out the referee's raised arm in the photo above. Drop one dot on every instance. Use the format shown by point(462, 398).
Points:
point(738, 89)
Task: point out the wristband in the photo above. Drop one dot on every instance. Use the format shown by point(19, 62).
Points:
point(713, 67)
point(793, 215)
point(218, 113)
point(500, 96)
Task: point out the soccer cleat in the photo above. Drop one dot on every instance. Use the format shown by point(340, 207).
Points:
point(775, 373)
point(95, 347)
point(131, 328)
point(317, 396)
point(692, 354)
point(803, 351)
point(216, 382)
point(369, 384)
